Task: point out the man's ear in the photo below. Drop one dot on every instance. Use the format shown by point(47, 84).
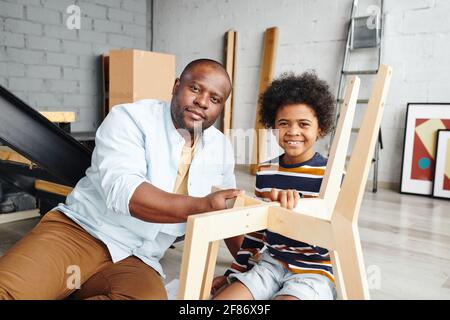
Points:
point(176, 84)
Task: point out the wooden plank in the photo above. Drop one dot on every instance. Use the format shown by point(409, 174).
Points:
point(337, 272)
point(266, 77)
point(193, 261)
point(301, 227)
point(230, 66)
point(20, 215)
point(201, 230)
point(59, 116)
point(352, 189)
point(347, 246)
point(105, 82)
point(345, 216)
point(8, 154)
point(332, 179)
point(228, 223)
point(210, 266)
point(51, 187)
point(314, 207)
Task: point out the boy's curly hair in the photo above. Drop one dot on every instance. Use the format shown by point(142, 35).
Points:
point(305, 88)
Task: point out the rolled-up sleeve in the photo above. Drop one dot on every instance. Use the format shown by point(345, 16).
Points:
point(119, 158)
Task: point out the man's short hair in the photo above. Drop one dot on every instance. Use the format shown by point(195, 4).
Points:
point(213, 63)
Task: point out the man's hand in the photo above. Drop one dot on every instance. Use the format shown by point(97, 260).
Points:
point(287, 198)
point(217, 200)
point(152, 204)
point(218, 283)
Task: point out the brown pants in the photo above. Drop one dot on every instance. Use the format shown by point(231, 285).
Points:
point(57, 254)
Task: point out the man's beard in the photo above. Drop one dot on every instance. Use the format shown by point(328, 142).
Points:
point(180, 123)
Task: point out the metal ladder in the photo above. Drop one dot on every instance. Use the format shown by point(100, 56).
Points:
point(364, 35)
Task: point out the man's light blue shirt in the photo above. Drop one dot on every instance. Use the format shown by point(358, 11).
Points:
point(138, 143)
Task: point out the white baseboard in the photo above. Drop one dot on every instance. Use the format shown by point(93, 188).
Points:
point(394, 186)
point(17, 216)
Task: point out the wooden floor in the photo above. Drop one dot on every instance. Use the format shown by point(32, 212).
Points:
point(405, 240)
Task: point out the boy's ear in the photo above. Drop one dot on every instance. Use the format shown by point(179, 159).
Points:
point(319, 134)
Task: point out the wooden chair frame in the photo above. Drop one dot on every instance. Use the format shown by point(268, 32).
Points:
point(329, 221)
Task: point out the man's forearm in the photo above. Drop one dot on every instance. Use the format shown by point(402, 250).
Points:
point(152, 204)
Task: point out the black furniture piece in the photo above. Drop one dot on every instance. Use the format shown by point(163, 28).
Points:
point(58, 156)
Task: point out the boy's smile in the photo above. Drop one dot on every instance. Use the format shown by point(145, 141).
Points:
point(293, 143)
point(298, 130)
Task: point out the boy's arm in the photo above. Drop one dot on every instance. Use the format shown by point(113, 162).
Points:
point(250, 248)
point(233, 244)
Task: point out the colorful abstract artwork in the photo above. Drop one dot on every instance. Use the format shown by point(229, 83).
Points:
point(446, 173)
point(418, 166)
point(441, 185)
point(424, 148)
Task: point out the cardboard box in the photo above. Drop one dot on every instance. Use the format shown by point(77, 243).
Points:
point(137, 74)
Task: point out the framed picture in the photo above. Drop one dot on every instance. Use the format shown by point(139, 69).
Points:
point(423, 120)
point(441, 182)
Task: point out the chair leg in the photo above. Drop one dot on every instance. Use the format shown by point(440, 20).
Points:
point(348, 247)
point(210, 266)
point(337, 272)
point(195, 253)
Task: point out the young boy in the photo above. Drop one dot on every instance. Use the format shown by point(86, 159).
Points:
point(269, 265)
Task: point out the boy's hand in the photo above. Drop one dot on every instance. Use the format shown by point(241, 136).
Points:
point(287, 198)
point(218, 283)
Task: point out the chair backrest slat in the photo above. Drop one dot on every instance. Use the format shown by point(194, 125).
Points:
point(352, 190)
point(332, 179)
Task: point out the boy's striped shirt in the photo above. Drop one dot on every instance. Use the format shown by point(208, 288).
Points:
point(297, 256)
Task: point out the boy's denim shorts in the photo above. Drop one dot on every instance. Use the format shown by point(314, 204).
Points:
point(269, 278)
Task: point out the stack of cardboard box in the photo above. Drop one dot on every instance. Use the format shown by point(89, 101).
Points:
point(131, 75)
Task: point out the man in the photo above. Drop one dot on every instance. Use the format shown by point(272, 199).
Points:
point(152, 167)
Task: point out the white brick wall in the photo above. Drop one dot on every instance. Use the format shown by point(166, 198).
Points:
point(54, 68)
point(417, 45)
